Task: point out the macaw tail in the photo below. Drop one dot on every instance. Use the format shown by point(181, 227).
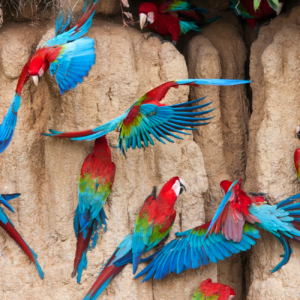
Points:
point(87, 236)
point(7, 128)
point(8, 226)
point(117, 262)
point(108, 273)
point(4, 198)
point(68, 135)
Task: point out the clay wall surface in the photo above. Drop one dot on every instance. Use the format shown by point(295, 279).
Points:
point(251, 136)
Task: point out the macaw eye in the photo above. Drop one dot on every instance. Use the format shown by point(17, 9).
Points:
point(41, 72)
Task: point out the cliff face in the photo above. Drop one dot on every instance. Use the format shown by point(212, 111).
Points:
point(258, 148)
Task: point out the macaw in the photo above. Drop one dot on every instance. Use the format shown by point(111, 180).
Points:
point(8, 226)
point(163, 17)
point(256, 17)
point(200, 246)
point(95, 183)
point(213, 291)
point(152, 227)
point(148, 116)
point(69, 58)
point(297, 162)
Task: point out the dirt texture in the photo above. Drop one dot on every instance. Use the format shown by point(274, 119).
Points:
point(258, 148)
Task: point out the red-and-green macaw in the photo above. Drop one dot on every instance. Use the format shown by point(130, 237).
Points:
point(297, 162)
point(213, 291)
point(95, 183)
point(9, 227)
point(149, 117)
point(200, 246)
point(257, 16)
point(69, 58)
point(165, 17)
point(152, 227)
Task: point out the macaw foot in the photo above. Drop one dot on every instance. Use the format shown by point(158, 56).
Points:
point(155, 35)
point(258, 194)
point(160, 38)
point(166, 41)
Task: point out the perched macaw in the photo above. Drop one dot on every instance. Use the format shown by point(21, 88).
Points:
point(297, 162)
point(200, 246)
point(256, 17)
point(213, 291)
point(95, 183)
point(69, 58)
point(8, 226)
point(152, 227)
point(163, 17)
point(148, 116)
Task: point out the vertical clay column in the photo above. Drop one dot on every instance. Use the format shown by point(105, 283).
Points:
point(272, 144)
point(219, 52)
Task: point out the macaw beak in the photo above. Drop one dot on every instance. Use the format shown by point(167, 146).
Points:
point(297, 132)
point(182, 185)
point(279, 9)
point(35, 80)
point(143, 20)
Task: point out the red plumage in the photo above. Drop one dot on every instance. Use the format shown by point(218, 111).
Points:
point(13, 233)
point(210, 289)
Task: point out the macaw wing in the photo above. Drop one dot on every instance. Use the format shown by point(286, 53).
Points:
point(220, 216)
point(64, 34)
point(71, 62)
point(177, 5)
point(93, 190)
point(191, 250)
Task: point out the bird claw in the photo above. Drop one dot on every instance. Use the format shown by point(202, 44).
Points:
point(160, 38)
point(258, 194)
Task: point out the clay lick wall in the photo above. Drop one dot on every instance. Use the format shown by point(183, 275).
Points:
point(257, 147)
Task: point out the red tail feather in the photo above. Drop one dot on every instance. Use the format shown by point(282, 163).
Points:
point(82, 245)
point(108, 273)
point(68, 135)
point(10, 229)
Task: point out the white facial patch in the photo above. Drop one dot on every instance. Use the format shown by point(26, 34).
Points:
point(150, 17)
point(41, 72)
point(297, 129)
point(176, 187)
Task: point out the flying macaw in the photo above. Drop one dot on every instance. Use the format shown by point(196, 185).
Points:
point(165, 17)
point(8, 226)
point(153, 224)
point(200, 246)
point(297, 162)
point(95, 183)
point(256, 17)
point(148, 116)
point(69, 58)
point(213, 291)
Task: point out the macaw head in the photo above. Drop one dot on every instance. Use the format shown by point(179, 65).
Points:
point(37, 67)
point(147, 14)
point(173, 188)
point(232, 293)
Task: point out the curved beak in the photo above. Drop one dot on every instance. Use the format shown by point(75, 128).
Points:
point(279, 8)
point(143, 20)
point(297, 132)
point(35, 80)
point(182, 185)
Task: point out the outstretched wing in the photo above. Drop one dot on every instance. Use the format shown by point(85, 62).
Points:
point(220, 216)
point(191, 250)
point(147, 117)
point(65, 34)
